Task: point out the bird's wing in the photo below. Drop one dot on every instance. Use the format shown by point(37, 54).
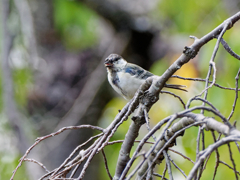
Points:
point(137, 71)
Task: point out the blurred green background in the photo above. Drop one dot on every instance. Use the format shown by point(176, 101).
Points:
point(65, 64)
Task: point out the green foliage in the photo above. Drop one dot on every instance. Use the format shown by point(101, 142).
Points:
point(191, 15)
point(75, 23)
point(7, 166)
point(22, 80)
point(9, 155)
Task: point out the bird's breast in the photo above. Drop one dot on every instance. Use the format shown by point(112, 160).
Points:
point(129, 84)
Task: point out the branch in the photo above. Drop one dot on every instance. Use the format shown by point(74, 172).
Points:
point(106, 165)
point(236, 95)
point(229, 50)
point(127, 145)
point(212, 63)
point(157, 83)
point(209, 124)
point(168, 165)
point(204, 154)
point(202, 80)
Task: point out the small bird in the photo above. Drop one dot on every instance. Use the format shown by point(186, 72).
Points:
point(126, 78)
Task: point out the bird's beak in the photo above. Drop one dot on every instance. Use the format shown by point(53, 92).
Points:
point(108, 63)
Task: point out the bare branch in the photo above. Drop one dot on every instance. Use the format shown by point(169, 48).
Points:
point(203, 100)
point(147, 123)
point(74, 151)
point(217, 157)
point(236, 95)
point(209, 150)
point(168, 165)
point(229, 50)
point(164, 172)
point(228, 166)
point(203, 147)
point(185, 157)
point(38, 163)
point(158, 175)
point(232, 160)
point(177, 166)
point(212, 63)
point(203, 80)
point(106, 164)
point(176, 96)
point(127, 145)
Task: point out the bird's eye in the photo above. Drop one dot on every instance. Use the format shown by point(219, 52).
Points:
point(116, 59)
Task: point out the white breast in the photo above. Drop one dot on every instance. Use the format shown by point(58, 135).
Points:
point(129, 84)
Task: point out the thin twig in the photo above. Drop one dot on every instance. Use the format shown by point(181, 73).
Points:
point(212, 63)
point(176, 96)
point(168, 164)
point(232, 160)
point(217, 156)
point(158, 175)
point(74, 171)
point(203, 80)
point(37, 162)
point(164, 172)
point(69, 128)
point(228, 166)
point(177, 166)
point(203, 147)
point(147, 123)
point(229, 50)
point(110, 130)
point(165, 145)
point(150, 172)
point(236, 95)
point(38, 140)
point(208, 151)
point(106, 164)
point(203, 100)
point(158, 126)
point(185, 157)
point(198, 141)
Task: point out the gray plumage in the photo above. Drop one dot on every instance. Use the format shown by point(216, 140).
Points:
point(126, 78)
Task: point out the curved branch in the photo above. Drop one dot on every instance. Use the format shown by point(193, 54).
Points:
point(204, 154)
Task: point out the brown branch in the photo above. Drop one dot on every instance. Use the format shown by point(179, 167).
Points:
point(228, 166)
point(229, 50)
point(126, 147)
point(106, 164)
point(185, 157)
point(212, 63)
point(38, 140)
point(217, 157)
point(236, 95)
point(168, 164)
point(202, 80)
point(164, 172)
point(157, 84)
point(176, 96)
point(232, 160)
point(38, 163)
point(183, 173)
point(208, 151)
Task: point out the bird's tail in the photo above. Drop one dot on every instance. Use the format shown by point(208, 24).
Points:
point(176, 86)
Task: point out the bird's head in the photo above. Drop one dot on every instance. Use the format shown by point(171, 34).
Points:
point(115, 61)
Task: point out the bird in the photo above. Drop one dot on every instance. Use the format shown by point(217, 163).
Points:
point(125, 78)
